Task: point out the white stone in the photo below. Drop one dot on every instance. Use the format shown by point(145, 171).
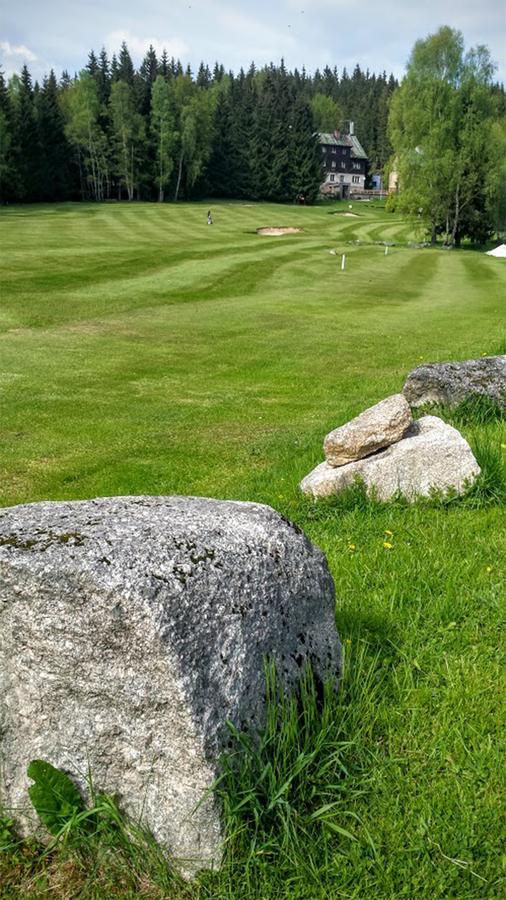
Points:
point(433, 456)
point(375, 428)
point(132, 628)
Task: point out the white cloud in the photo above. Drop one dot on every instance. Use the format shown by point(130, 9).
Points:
point(138, 46)
point(14, 56)
point(19, 50)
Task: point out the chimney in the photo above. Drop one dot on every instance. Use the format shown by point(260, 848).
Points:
point(352, 128)
point(337, 134)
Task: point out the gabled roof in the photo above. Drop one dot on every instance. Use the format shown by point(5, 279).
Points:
point(344, 140)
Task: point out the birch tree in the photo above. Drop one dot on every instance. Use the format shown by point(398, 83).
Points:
point(163, 130)
point(81, 110)
point(440, 123)
point(128, 132)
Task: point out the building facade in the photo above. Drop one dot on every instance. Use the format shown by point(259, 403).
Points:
point(344, 164)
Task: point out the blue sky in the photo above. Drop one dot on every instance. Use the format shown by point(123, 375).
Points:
point(59, 33)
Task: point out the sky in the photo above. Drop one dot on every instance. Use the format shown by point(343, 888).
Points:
point(59, 34)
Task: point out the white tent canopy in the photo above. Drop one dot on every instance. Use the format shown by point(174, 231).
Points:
point(499, 251)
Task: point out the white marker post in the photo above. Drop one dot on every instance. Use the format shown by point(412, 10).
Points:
point(386, 251)
point(343, 262)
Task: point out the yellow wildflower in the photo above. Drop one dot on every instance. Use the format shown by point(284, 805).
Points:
point(387, 545)
point(489, 568)
point(503, 446)
point(351, 547)
point(388, 532)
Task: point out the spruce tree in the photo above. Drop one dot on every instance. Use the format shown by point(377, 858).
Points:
point(103, 78)
point(305, 154)
point(92, 64)
point(147, 74)
point(54, 174)
point(164, 66)
point(25, 140)
point(220, 179)
point(7, 172)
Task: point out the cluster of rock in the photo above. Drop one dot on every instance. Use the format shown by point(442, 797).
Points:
point(132, 629)
point(453, 382)
point(391, 454)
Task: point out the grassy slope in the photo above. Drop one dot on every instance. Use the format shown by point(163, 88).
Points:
point(145, 352)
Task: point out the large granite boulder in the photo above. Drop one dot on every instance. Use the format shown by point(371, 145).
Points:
point(433, 456)
point(452, 382)
point(375, 428)
point(132, 628)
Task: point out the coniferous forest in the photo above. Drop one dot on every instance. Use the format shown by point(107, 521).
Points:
point(163, 132)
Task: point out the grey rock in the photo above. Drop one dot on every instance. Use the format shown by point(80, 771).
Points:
point(452, 382)
point(433, 456)
point(375, 428)
point(132, 628)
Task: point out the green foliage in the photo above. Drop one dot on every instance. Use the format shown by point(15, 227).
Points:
point(81, 109)
point(442, 131)
point(326, 113)
point(7, 835)
point(55, 798)
point(163, 129)
point(128, 132)
point(477, 409)
point(391, 203)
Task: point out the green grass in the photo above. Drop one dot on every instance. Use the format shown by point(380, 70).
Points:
point(142, 351)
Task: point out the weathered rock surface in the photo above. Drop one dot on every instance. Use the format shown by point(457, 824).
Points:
point(450, 383)
point(375, 428)
point(132, 628)
point(433, 456)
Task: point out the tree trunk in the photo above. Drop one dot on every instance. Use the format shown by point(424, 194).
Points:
point(160, 182)
point(457, 214)
point(180, 172)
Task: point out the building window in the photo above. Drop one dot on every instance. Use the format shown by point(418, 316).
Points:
point(334, 150)
point(341, 179)
point(333, 163)
point(355, 179)
point(332, 177)
point(356, 166)
point(343, 165)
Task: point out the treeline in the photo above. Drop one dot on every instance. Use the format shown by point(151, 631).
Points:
point(163, 132)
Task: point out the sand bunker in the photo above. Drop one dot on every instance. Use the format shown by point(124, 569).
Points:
point(277, 231)
point(349, 215)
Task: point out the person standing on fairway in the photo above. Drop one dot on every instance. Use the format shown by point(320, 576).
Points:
point(209, 217)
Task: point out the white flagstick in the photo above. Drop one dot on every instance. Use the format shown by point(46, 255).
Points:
point(343, 262)
point(386, 251)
